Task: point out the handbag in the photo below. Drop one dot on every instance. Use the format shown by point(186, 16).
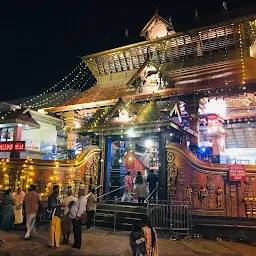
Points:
point(83, 218)
point(140, 240)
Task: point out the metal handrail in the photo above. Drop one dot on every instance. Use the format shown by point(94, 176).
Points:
point(110, 192)
point(91, 192)
point(151, 194)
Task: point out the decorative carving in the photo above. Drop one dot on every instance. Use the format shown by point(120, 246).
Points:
point(170, 157)
point(210, 187)
point(233, 200)
point(194, 186)
point(189, 191)
point(172, 179)
point(202, 195)
point(41, 182)
point(250, 198)
point(219, 197)
point(181, 176)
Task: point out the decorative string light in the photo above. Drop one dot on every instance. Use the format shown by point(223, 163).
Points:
point(79, 67)
point(241, 53)
point(54, 98)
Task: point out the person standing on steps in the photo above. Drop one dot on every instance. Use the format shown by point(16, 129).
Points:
point(75, 213)
point(91, 207)
point(141, 188)
point(152, 180)
point(128, 184)
point(54, 206)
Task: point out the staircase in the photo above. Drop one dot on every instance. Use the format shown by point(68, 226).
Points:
point(126, 214)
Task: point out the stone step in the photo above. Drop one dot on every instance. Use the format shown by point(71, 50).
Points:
point(122, 213)
point(110, 225)
point(128, 208)
point(110, 218)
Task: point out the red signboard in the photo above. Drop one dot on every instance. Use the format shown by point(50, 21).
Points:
point(12, 146)
point(237, 172)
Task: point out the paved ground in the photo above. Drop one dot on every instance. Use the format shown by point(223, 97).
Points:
point(102, 243)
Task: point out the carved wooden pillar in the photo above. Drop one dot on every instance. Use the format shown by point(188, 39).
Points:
point(194, 123)
point(181, 183)
point(227, 196)
point(41, 184)
point(250, 198)
point(102, 166)
point(194, 186)
point(87, 178)
point(239, 200)
point(233, 200)
point(210, 187)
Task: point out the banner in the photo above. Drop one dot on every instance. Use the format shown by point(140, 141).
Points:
point(237, 172)
point(9, 146)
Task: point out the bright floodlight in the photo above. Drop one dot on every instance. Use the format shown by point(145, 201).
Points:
point(149, 143)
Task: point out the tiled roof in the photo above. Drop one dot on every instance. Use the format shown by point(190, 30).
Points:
point(21, 116)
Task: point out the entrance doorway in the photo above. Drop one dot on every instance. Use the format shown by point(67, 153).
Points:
point(131, 154)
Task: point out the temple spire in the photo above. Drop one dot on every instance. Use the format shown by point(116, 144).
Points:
point(156, 9)
point(170, 21)
point(224, 4)
point(196, 13)
point(126, 32)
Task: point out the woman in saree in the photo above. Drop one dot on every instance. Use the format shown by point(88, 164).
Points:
point(8, 212)
point(150, 236)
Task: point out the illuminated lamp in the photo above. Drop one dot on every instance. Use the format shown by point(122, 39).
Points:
point(149, 143)
point(130, 158)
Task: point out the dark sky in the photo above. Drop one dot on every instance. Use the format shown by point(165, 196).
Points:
point(40, 43)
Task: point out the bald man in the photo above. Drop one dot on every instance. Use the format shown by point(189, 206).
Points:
point(75, 213)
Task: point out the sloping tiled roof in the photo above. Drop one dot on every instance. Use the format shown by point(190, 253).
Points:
point(151, 113)
point(21, 116)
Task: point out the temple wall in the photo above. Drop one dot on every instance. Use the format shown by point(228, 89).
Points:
point(80, 172)
point(208, 186)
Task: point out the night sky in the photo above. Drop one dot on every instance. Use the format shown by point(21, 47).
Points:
point(41, 43)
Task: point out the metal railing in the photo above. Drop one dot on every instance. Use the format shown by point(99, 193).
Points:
point(115, 207)
point(180, 217)
point(172, 216)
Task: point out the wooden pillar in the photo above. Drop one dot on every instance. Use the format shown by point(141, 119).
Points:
point(162, 174)
point(102, 166)
point(184, 140)
point(107, 165)
point(194, 123)
point(17, 132)
point(239, 200)
point(227, 197)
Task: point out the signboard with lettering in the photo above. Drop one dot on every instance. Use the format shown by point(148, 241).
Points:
point(9, 146)
point(237, 172)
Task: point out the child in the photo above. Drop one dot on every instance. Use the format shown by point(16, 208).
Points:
point(137, 240)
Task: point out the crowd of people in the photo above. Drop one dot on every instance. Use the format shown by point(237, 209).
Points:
point(141, 185)
point(72, 211)
point(20, 207)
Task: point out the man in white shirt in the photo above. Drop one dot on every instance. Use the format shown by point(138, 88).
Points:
point(66, 222)
point(75, 213)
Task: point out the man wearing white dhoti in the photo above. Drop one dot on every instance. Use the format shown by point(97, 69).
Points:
point(18, 198)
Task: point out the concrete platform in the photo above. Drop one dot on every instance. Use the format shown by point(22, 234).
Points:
point(103, 243)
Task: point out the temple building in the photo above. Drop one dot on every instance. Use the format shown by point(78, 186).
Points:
point(179, 103)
